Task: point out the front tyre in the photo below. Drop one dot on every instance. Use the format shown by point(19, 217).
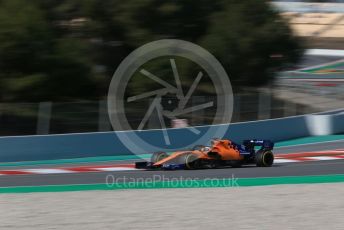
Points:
point(158, 156)
point(264, 158)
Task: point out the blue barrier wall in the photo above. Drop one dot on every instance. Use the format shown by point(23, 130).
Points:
point(30, 148)
point(338, 123)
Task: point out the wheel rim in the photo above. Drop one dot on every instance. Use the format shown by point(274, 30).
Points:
point(160, 157)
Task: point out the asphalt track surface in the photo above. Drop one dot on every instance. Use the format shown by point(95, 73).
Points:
point(278, 170)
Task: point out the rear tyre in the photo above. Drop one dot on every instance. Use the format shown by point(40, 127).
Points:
point(190, 161)
point(158, 156)
point(264, 158)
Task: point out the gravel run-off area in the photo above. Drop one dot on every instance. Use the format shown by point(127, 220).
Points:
point(312, 206)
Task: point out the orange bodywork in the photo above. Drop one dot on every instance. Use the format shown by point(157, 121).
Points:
point(224, 148)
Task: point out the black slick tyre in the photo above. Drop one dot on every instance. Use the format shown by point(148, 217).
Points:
point(264, 158)
point(158, 156)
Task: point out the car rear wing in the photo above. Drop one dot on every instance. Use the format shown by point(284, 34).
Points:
point(264, 144)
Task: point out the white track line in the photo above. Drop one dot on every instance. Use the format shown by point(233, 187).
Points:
point(111, 169)
point(281, 161)
point(325, 52)
point(323, 158)
point(47, 171)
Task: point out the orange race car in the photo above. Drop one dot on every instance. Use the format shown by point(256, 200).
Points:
point(220, 153)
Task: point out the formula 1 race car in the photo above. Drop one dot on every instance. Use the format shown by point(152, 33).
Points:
point(221, 153)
